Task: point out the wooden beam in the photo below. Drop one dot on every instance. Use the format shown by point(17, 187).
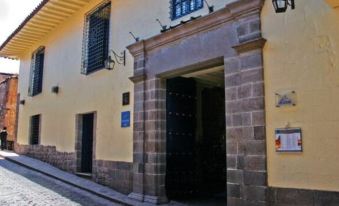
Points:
point(21, 42)
point(65, 5)
point(52, 15)
point(32, 32)
point(72, 2)
point(41, 21)
point(59, 10)
point(38, 25)
point(56, 10)
point(25, 35)
point(51, 18)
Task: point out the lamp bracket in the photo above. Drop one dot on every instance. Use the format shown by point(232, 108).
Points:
point(120, 59)
point(163, 27)
point(210, 8)
point(134, 37)
point(291, 3)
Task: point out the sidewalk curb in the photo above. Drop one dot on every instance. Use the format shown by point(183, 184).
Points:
point(67, 182)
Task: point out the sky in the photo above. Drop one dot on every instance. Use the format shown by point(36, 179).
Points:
point(12, 13)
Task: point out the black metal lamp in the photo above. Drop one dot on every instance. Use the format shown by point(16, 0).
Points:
point(114, 58)
point(280, 6)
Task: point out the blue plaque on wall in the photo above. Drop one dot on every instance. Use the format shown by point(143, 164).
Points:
point(125, 119)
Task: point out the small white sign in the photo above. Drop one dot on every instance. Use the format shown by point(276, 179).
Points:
point(285, 98)
point(288, 140)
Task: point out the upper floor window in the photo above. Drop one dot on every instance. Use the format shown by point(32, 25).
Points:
point(37, 68)
point(183, 7)
point(96, 39)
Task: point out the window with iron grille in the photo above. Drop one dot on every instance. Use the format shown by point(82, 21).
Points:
point(96, 39)
point(35, 130)
point(37, 68)
point(183, 7)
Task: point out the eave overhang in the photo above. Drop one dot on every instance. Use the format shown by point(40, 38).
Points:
point(333, 3)
point(42, 20)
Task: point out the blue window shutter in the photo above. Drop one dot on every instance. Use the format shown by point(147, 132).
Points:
point(183, 7)
point(37, 72)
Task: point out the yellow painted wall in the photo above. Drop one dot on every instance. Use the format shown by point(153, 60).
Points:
point(100, 91)
point(302, 54)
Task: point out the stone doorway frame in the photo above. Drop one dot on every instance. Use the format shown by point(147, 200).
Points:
point(193, 46)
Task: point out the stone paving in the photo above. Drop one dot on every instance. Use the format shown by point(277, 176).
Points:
point(20, 186)
point(69, 178)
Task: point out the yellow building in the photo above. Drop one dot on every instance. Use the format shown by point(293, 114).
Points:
point(177, 100)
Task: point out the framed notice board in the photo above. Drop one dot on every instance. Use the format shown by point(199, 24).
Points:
point(288, 140)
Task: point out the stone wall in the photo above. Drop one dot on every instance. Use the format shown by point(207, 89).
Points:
point(49, 154)
point(302, 197)
point(116, 175)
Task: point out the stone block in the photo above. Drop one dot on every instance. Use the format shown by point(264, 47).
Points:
point(233, 190)
point(235, 176)
point(259, 133)
point(240, 162)
point(294, 197)
point(255, 163)
point(258, 118)
point(233, 107)
point(255, 147)
point(231, 161)
point(232, 80)
point(322, 198)
point(232, 65)
point(233, 133)
point(252, 104)
point(253, 75)
point(258, 89)
point(232, 147)
point(255, 178)
point(242, 29)
point(251, 61)
point(231, 93)
point(255, 25)
point(255, 193)
point(245, 91)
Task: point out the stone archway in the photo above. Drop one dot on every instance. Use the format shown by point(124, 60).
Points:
point(229, 37)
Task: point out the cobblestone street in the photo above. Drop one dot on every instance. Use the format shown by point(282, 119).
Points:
point(20, 187)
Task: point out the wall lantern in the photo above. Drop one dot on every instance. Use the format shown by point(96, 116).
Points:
point(280, 6)
point(114, 58)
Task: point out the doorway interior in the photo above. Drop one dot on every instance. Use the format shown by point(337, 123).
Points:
point(86, 127)
point(195, 142)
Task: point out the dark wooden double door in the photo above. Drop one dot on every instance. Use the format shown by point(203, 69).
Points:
point(195, 166)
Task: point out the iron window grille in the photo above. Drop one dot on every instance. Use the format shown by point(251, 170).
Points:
point(35, 130)
point(36, 73)
point(181, 8)
point(96, 39)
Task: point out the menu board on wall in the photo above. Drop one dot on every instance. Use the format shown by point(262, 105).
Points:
point(288, 140)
